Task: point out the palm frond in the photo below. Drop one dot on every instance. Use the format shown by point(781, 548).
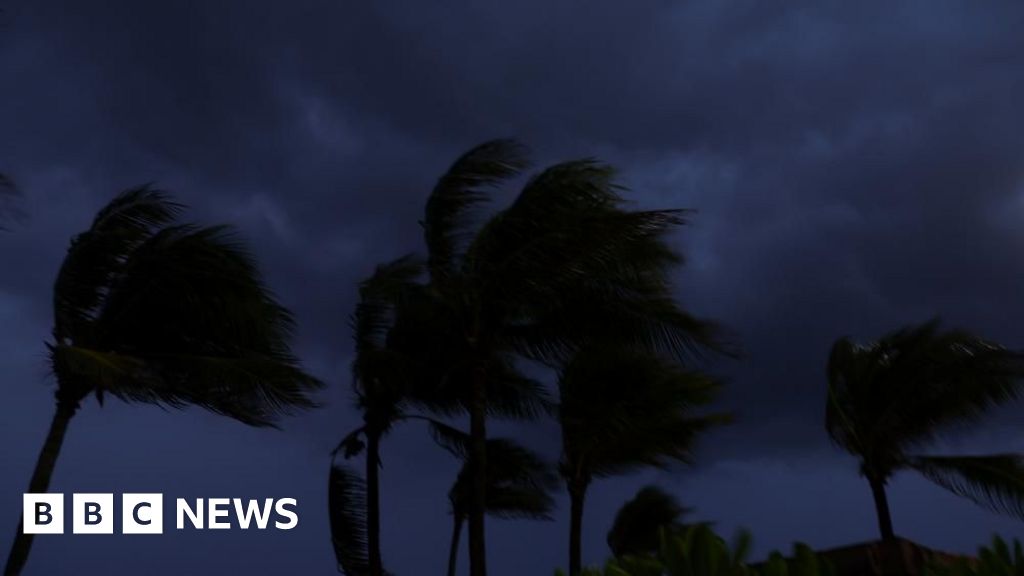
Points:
point(97, 256)
point(994, 482)
point(900, 392)
point(519, 482)
point(450, 438)
point(346, 494)
point(623, 409)
point(190, 302)
point(255, 390)
point(568, 261)
point(383, 374)
point(446, 222)
point(87, 370)
point(379, 295)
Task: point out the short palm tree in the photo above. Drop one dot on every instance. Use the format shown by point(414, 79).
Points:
point(640, 522)
point(519, 485)
point(565, 262)
point(151, 311)
point(623, 410)
point(889, 399)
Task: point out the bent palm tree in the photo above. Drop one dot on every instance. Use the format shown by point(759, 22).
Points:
point(151, 311)
point(622, 410)
point(890, 398)
point(640, 522)
point(519, 485)
point(565, 262)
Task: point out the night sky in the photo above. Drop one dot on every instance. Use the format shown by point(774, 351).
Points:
point(854, 167)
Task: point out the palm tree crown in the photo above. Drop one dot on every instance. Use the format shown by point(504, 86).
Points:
point(890, 399)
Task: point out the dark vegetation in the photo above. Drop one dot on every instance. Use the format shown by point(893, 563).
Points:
point(568, 277)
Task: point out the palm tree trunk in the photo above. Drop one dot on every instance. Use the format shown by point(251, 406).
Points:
point(882, 508)
point(478, 467)
point(453, 551)
point(373, 501)
point(577, 494)
point(41, 481)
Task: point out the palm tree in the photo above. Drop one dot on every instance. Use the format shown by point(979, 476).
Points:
point(402, 349)
point(151, 311)
point(623, 410)
point(641, 520)
point(889, 399)
point(381, 380)
point(519, 485)
point(565, 262)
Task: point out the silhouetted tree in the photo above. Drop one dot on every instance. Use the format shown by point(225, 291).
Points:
point(640, 522)
point(519, 484)
point(403, 357)
point(565, 262)
point(622, 410)
point(891, 398)
point(381, 380)
point(152, 311)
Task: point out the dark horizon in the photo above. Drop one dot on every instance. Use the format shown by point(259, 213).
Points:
point(852, 169)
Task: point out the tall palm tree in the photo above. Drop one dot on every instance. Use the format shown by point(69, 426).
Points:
point(641, 520)
point(565, 262)
point(151, 311)
point(622, 410)
point(889, 399)
point(519, 485)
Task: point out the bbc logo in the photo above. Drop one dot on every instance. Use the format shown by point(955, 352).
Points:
point(93, 513)
point(144, 513)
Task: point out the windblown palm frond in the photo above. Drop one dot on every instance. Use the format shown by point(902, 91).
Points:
point(223, 340)
point(347, 509)
point(898, 393)
point(391, 285)
point(519, 482)
point(100, 253)
point(569, 227)
point(446, 222)
point(184, 305)
point(994, 482)
point(622, 410)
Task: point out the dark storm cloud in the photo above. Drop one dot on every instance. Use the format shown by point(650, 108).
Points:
point(854, 168)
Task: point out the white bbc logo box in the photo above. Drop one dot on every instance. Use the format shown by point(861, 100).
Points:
point(92, 513)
